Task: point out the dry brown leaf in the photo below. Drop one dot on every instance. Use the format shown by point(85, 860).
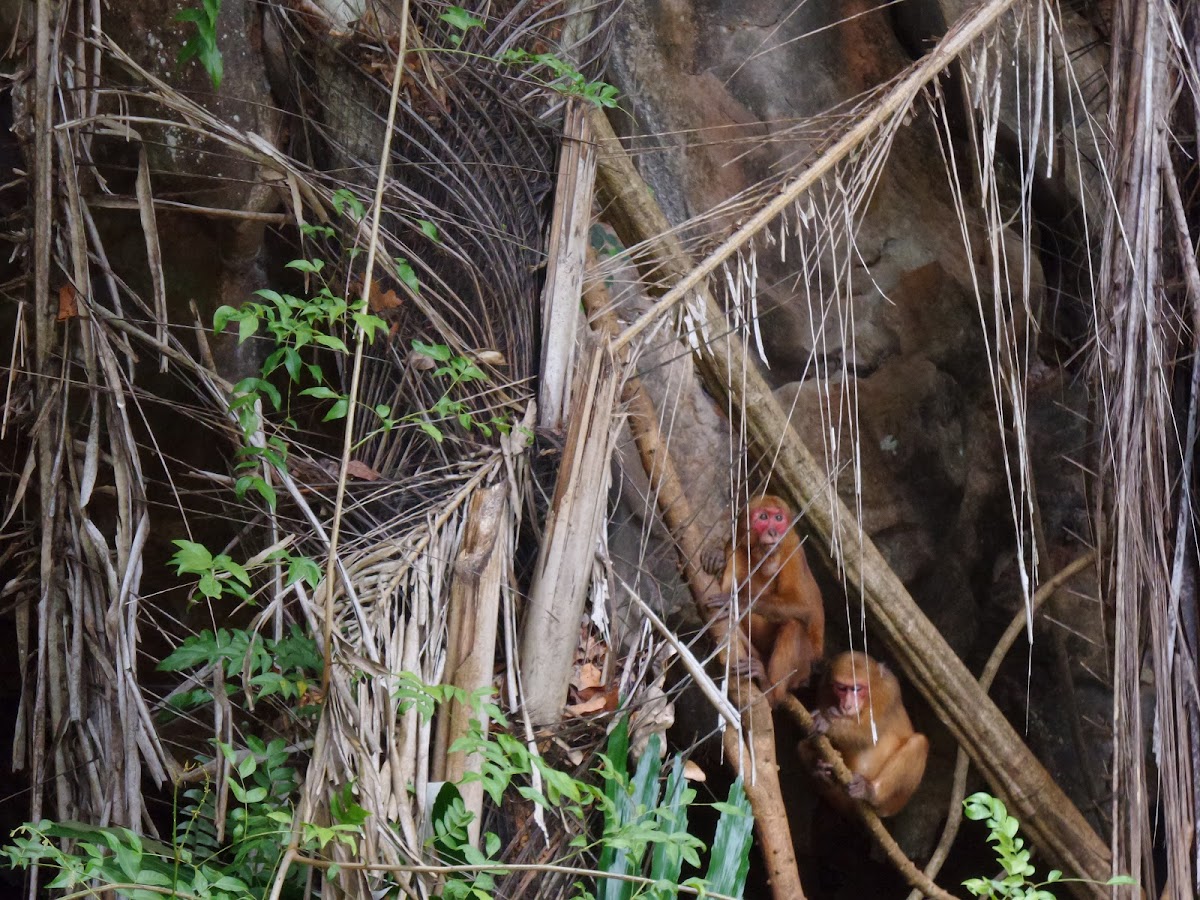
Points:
point(384, 301)
point(361, 470)
point(587, 676)
point(693, 772)
point(596, 704)
point(491, 358)
point(68, 302)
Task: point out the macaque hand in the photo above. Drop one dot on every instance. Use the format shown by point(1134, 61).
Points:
point(820, 724)
point(712, 559)
point(860, 789)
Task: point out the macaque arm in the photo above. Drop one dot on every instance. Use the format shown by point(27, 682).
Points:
point(790, 663)
point(896, 782)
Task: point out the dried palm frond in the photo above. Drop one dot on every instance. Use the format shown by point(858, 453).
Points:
point(473, 156)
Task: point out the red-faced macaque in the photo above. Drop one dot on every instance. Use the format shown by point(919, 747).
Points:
point(786, 620)
point(861, 713)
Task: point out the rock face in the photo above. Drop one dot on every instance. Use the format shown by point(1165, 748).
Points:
point(211, 260)
point(878, 343)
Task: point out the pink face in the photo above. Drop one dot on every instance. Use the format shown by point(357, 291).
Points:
point(770, 523)
point(851, 698)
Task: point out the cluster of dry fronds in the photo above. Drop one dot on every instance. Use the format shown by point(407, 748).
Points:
point(423, 537)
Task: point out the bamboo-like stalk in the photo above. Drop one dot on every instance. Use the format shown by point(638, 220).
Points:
point(479, 573)
point(558, 592)
point(752, 749)
point(566, 254)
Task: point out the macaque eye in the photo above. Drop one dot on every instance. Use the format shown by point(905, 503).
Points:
point(778, 517)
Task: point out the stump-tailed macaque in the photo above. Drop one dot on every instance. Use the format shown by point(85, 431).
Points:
point(786, 617)
point(861, 713)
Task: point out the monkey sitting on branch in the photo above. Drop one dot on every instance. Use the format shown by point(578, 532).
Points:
point(861, 713)
point(783, 614)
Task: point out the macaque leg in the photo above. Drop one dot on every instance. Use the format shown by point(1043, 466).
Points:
point(791, 661)
point(755, 649)
point(899, 777)
point(816, 638)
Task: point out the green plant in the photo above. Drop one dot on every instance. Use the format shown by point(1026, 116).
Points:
point(203, 44)
point(296, 325)
point(635, 817)
point(286, 667)
point(197, 863)
point(1012, 854)
point(564, 77)
point(457, 370)
point(220, 575)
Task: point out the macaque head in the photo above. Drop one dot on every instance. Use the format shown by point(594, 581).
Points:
point(849, 681)
point(769, 520)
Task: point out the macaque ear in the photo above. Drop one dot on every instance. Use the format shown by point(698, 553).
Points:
point(884, 668)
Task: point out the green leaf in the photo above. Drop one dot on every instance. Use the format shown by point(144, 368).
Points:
point(730, 854)
point(209, 586)
point(247, 766)
point(343, 198)
point(301, 568)
point(306, 265)
point(437, 352)
point(235, 569)
point(337, 411)
point(429, 230)
point(407, 275)
point(246, 328)
point(321, 393)
point(272, 393)
point(369, 324)
point(211, 60)
point(191, 558)
point(221, 317)
point(274, 296)
point(333, 343)
point(457, 17)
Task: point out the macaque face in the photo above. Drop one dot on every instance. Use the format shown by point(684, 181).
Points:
point(850, 697)
point(769, 524)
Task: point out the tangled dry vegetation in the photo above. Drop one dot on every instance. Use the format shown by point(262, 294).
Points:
point(419, 482)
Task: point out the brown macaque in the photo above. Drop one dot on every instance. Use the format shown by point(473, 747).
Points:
point(786, 617)
point(861, 713)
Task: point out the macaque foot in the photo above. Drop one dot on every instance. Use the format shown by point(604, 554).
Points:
point(717, 603)
point(749, 667)
point(712, 560)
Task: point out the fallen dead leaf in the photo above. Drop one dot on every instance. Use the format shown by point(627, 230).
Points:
point(596, 704)
point(361, 470)
point(693, 772)
point(490, 358)
point(588, 675)
point(68, 302)
point(384, 301)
